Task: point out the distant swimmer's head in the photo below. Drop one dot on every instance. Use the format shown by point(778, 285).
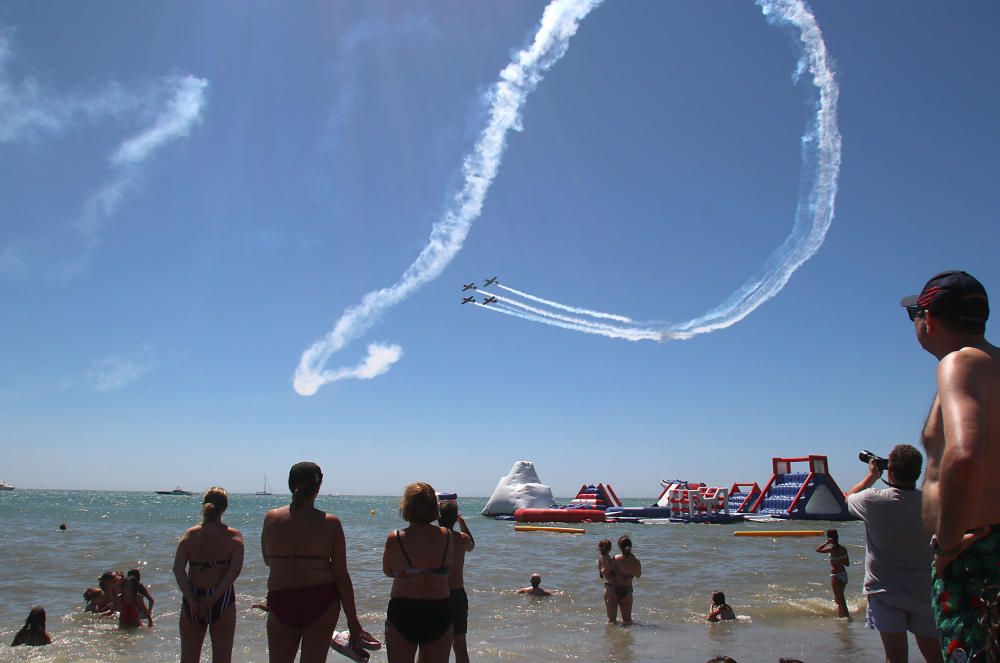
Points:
point(955, 298)
point(133, 573)
point(419, 504)
point(604, 546)
point(448, 511)
point(536, 580)
point(213, 504)
point(718, 598)
point(833, 536)
point(92, 594)
point(304, 480)
point(625, 544)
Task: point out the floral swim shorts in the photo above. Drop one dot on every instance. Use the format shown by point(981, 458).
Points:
point(965, 601)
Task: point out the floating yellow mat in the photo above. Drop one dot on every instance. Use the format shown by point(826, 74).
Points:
point(539, 528)
point(781, 532)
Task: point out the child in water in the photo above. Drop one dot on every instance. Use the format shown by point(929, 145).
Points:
point(33, 632)
point(720, 611)
point(131, 607)
point(839, 562)
point(604, 563)
point(143, 591)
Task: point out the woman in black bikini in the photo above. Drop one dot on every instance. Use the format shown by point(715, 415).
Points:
point(208, 560)
point(418, 559)
point(624, 567)
point(308, 582)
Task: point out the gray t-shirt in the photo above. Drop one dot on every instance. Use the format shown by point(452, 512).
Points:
point(898, 558)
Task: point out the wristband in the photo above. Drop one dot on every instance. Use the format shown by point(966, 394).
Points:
point(940, 552)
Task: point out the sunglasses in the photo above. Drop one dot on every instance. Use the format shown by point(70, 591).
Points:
point(914, 311)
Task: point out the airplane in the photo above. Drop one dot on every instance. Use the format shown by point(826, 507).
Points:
point(490, 282)
point(468, 300)
point(489, 300)
point(469, 286)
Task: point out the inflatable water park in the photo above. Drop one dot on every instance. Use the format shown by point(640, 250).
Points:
point(798, 489)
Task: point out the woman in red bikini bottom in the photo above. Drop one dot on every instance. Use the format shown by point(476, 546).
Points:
point(418, 560)
point(308, 582)
point(209, 558)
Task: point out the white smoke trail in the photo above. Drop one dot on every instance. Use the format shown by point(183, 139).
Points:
point(612, 332)
point(821, 155)
point(626, 332)
point(564, 307)
point(815, 209)
point(518, 79)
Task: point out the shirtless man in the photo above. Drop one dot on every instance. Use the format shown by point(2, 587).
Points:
point(961, 498)
point(462, 542)
point(535, 589)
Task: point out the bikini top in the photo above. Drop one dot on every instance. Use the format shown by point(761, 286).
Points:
point(439, 571)
point(210, 564)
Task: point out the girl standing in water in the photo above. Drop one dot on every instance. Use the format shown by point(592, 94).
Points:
point(839, 562)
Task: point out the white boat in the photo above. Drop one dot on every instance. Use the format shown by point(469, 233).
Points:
point(176, 491)
point(6, 486)
point(267, 488)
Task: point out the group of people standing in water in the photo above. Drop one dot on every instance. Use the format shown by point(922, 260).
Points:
point(308, 582)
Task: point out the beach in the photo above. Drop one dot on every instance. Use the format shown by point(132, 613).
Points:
point(779, 587)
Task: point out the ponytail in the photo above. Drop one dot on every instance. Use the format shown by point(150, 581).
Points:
point(214, 504)
point(302, 494)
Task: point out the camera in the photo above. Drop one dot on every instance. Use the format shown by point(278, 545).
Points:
point(881, 463)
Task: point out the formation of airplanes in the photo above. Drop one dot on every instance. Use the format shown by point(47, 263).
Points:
point(489, 299)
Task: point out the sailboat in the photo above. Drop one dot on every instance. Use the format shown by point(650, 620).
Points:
point(267, 488)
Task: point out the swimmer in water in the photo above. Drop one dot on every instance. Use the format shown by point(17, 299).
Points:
point(33, 632)
point(536, 587)
point(720, 611)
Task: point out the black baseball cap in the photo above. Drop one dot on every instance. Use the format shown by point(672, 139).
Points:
point(952, 295)
point(304, 474)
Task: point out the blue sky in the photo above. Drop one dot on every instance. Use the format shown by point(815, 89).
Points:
point(194, 194)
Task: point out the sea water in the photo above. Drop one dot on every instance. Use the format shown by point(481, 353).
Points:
point(779, 587)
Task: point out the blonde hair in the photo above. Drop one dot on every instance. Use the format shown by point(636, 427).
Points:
point(419, 504)
point(215, 503)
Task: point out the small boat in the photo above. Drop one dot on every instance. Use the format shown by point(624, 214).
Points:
point(267, 488)
point(6, 486)
point(176, 491)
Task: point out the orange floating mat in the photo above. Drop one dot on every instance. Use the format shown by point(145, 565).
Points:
point(781, 532)
point(539, 528)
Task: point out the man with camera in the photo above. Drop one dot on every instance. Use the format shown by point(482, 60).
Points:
point(897, 560)
point(962, 438)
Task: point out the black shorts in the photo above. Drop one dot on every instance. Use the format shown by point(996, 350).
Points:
point(459, 611)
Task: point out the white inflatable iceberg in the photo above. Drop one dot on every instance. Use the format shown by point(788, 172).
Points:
point(521, 489)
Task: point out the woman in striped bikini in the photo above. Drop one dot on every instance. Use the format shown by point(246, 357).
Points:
point(208, 560)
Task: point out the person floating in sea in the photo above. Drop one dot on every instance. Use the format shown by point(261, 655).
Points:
point(97, 600)
point(33, 632)
point(462, 542)
point(720, 611)
point(839, 561)
point(535, 589)
point(143, 591)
